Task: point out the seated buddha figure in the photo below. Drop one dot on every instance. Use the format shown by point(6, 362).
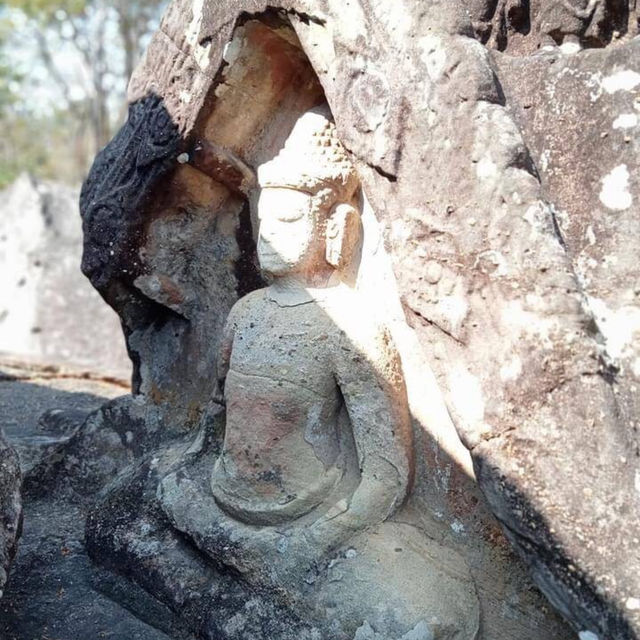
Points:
point(318, 447)
point(317, 417)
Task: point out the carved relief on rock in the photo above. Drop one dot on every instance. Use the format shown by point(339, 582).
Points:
point(521, 26)
point(318, 445)
point(574, 22)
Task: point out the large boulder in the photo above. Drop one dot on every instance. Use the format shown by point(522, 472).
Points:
point(537, 366)
point(53, 590)
point(48, 312)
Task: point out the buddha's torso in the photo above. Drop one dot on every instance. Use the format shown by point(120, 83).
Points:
point(287, 441)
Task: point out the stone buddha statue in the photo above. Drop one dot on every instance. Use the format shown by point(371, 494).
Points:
point(317, 418)
point(318, 449)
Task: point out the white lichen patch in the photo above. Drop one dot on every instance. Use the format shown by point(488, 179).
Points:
point(531, 321)
point(400, 231)
point(466, 391)
point(625, 121)
point(352, 23)
point(457, 527)
point(570, 48)
point(632, 604)
point(615, 193)
point(618, 327)
point(545, 156)
point(594, 82)
point(511, 370)
point(433, 55)
point(625, 80)
point(192, 35)
point(486, 168)
point(587, 635)
point(455, 309)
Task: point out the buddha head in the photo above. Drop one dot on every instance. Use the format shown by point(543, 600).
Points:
point(307, 206)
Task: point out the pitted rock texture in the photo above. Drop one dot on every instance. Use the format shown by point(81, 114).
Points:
point(54, 591)
point(10, 508)
point(487, 278)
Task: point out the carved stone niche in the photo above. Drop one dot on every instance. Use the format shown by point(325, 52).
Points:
point(182, 253)
point(170, 226)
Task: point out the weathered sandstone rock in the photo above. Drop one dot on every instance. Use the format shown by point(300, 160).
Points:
point(47, 311)
point(522, 26)
point(483, 282)
point(586, 153)
point(54, 591)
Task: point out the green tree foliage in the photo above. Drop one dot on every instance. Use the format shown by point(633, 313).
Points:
point(81, 54)
point(45, 9)
point(8, 76)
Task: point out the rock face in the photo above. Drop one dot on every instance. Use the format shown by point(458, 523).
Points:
point(586, 153)
point(47, 311)
point(10, 508)
point(53, 588)
point(509, 286)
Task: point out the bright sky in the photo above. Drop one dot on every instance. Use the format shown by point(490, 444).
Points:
point(40, 94)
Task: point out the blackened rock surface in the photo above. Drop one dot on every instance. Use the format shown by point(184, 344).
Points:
point(112, 204)
point(10, 508)
point(54, 590)
point(113, 195)
point(164, 295)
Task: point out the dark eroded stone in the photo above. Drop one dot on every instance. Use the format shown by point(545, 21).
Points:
point(10, 508)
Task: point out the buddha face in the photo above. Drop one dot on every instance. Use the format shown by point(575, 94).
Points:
point(289, 239)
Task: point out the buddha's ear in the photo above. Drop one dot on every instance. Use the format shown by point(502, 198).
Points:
point(342, 234)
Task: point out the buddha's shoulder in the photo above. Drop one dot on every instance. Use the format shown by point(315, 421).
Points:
point(257, 296)
point(248, 304)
